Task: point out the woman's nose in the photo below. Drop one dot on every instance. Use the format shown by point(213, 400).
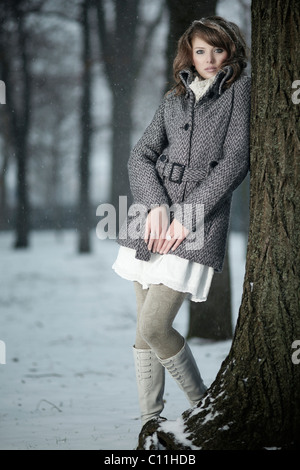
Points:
point(210, 58)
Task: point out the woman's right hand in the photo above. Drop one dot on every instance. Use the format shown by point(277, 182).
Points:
point(157, 224)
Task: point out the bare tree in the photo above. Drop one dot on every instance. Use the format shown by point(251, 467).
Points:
point(211, 319)
point(18, 104)
point(181, 15)
point(6, 150)
point(254, 402)
point(86, 131)
point(124, 49)
point(48, 100)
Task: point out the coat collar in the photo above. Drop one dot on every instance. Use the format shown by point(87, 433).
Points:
point(187, 76)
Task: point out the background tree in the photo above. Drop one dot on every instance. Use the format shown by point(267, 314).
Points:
point(213, 319)
point(13, 16)
point(124, 41)
point(54, 144)
point(84, 222)
point(181, 15)
point(6, 152)
point(39, 62)
point(208, 319)
point(254, 403)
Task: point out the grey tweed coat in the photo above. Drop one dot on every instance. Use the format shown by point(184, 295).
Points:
point(192, 155)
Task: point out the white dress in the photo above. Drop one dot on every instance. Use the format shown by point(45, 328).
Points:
point(171, 270)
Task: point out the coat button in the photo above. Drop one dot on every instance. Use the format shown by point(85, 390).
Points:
point(186, 127)
point(163, 158)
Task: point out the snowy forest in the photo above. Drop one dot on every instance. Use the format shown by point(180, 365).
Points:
point(80, 81)
point(74, 141)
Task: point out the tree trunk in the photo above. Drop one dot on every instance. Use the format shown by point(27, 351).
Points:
point(181, 15)
point(6, 151)
point(124, 50)
point(22, 212)
point(212, 319)
point(254, 403)
point(85, 150)
point(18, 109)
point(21, 132)
point(119, 53)
point(3, 191)
point(121, 141)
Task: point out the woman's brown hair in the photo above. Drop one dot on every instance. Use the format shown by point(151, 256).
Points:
point(218, 33)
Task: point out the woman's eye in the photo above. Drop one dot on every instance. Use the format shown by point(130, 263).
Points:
point(218, 51)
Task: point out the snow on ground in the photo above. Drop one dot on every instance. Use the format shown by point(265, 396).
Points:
point(68, 323)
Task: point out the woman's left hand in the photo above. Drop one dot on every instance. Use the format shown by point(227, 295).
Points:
point(174, 236)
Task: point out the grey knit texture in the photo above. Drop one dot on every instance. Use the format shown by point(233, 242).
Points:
point(211, 139)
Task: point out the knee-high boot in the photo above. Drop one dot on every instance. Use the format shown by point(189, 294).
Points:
point(150, 377)
point(184, 370)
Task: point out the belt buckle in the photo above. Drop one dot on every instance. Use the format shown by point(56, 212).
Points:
point(179, 179)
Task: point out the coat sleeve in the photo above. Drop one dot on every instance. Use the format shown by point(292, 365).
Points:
point(234, 165)
point(144, 182)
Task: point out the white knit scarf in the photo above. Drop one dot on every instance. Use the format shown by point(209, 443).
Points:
point(200, 86)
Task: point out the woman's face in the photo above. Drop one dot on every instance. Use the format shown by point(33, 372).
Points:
point(207, 59)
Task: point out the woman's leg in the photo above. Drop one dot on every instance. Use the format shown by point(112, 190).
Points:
point(150, 373)
point(157, 314)
point(155, 325)
point(141, 295)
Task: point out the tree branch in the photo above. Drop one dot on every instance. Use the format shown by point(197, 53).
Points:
point(104, 35)
point(144, 44)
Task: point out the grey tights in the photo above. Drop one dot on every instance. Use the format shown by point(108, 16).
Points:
point(157, 308)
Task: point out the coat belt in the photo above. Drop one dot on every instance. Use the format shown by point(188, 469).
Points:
point(177, 172)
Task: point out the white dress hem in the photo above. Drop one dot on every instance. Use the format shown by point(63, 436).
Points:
point(195, 279)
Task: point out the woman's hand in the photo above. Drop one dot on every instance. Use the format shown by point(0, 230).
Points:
point(174, 236)
point(157, 223)
point(160, 238)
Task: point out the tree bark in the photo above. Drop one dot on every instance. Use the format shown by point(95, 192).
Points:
point(254, 402)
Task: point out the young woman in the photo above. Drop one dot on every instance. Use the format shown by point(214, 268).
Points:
point(182, 173)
